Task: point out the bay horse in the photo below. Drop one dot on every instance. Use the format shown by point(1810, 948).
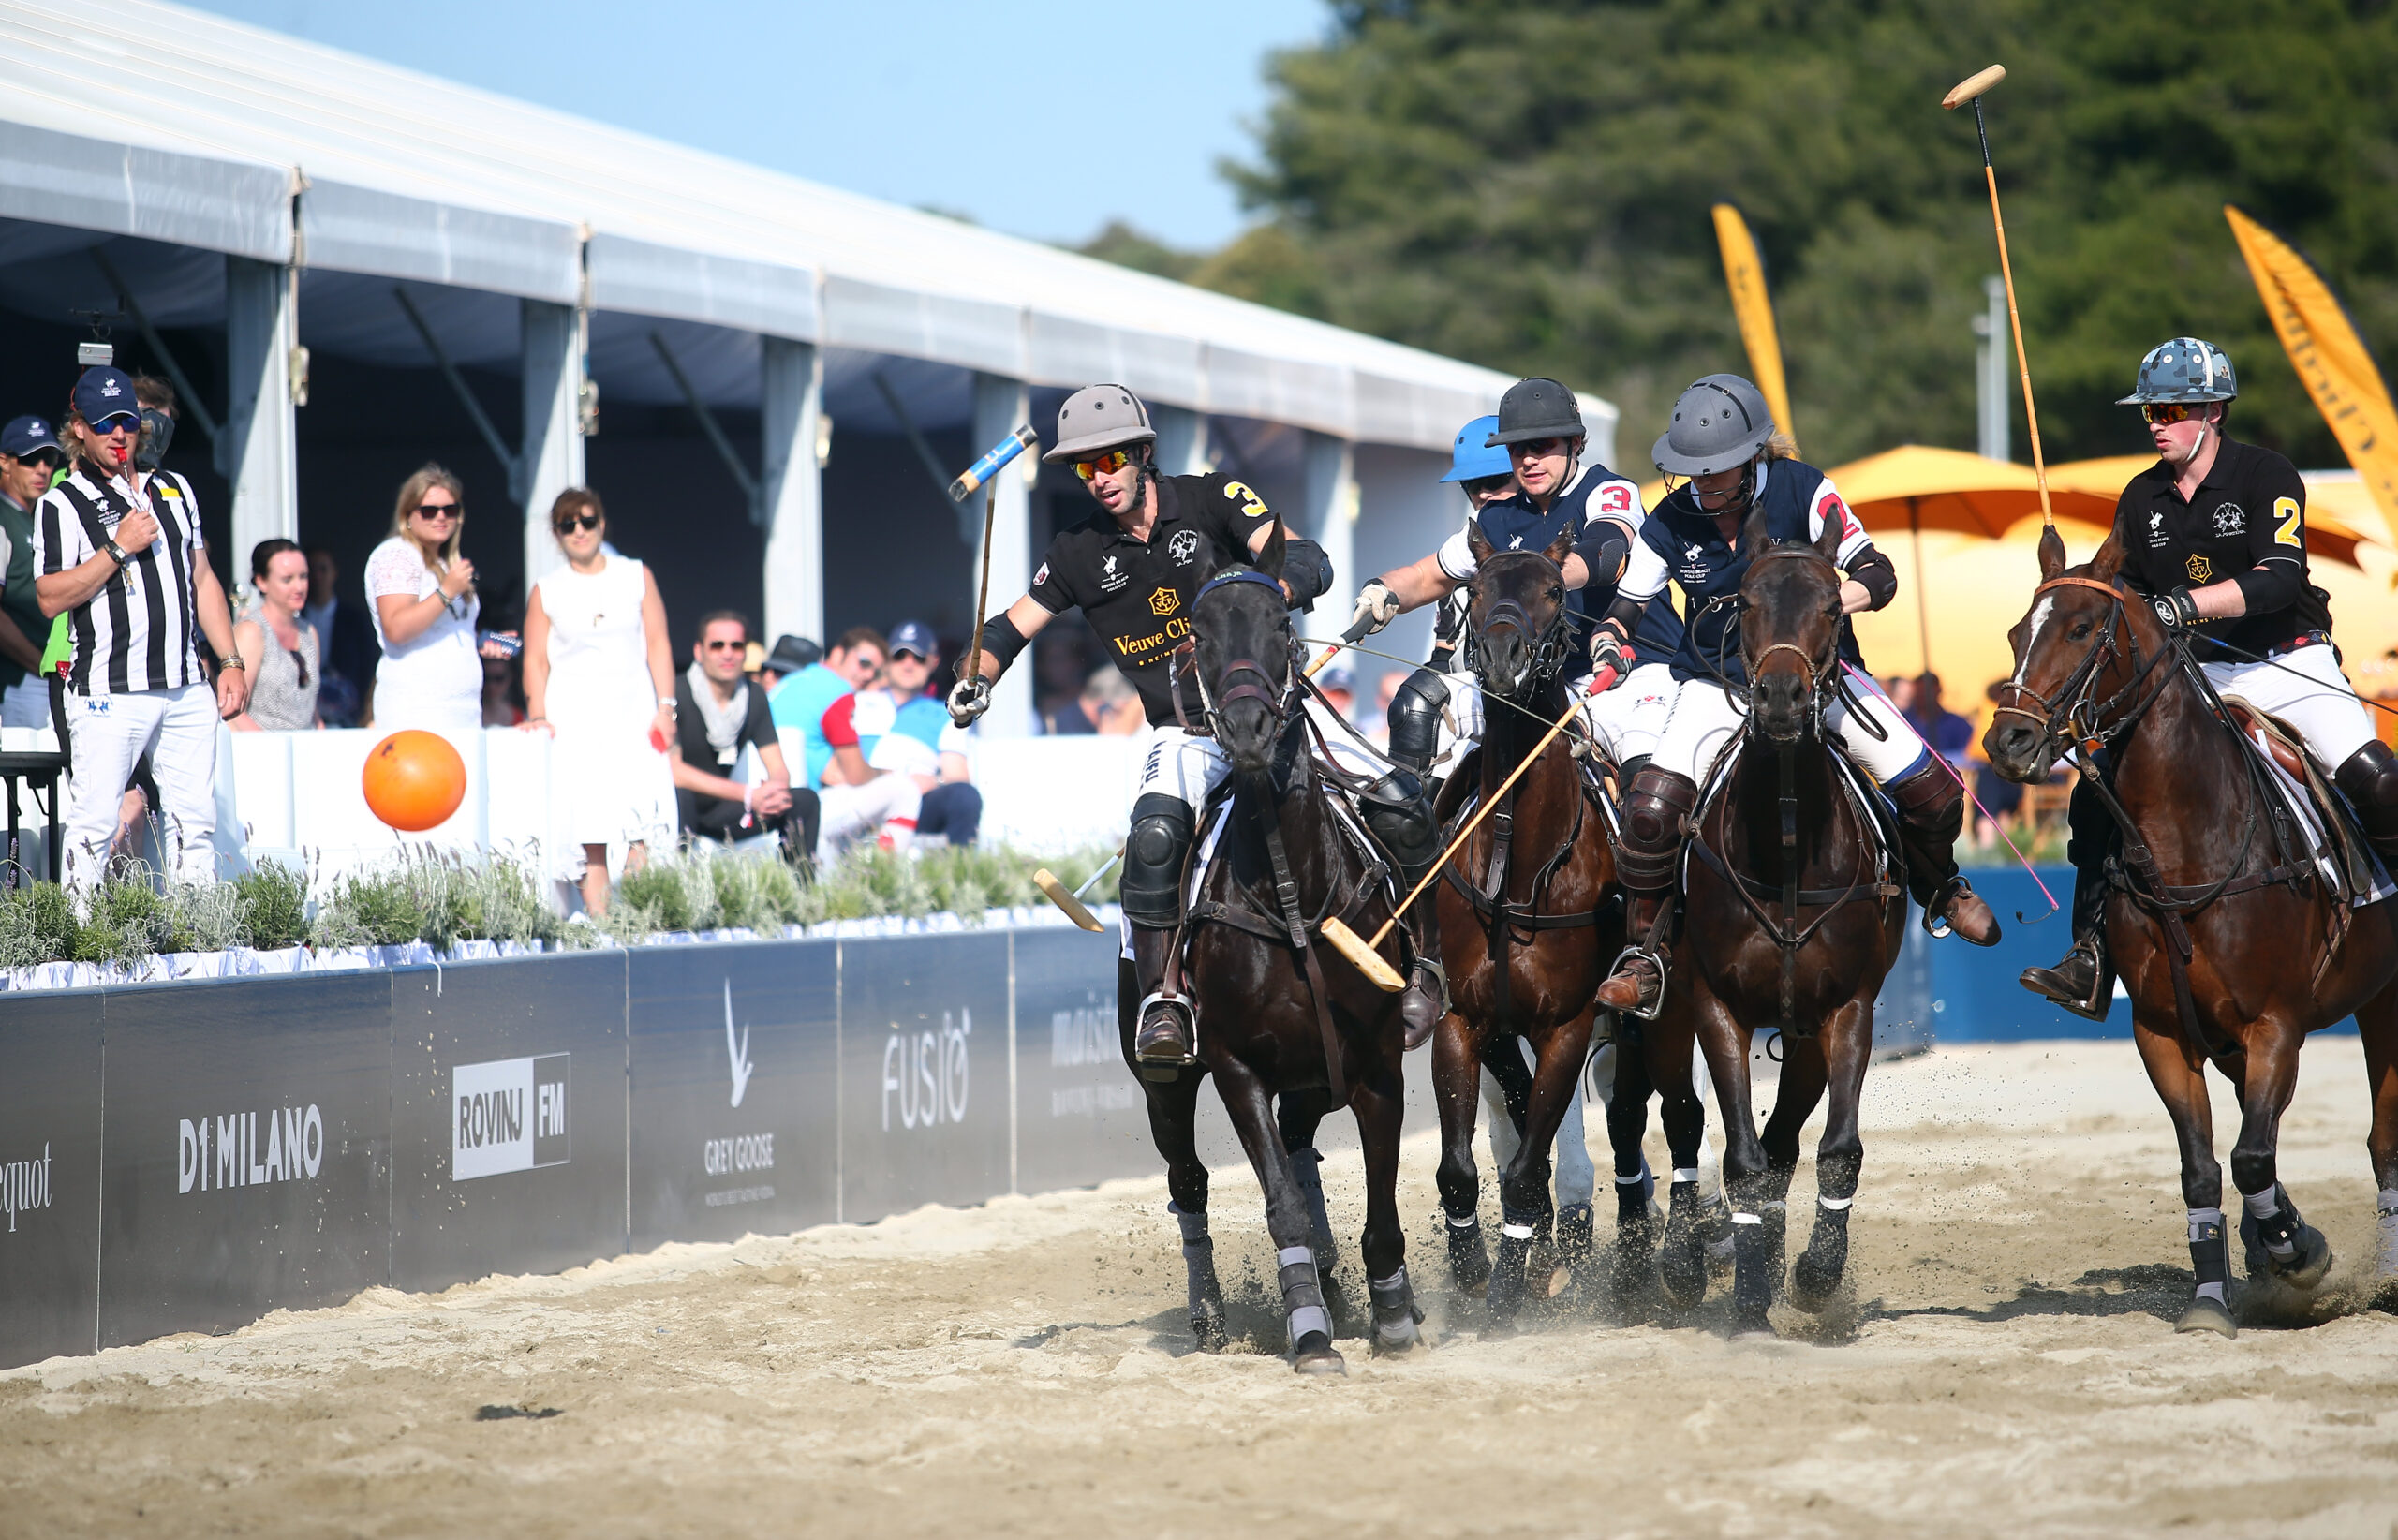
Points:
point(1790, 922)
point(1280, 1014)
point(1528, 917)
point(2232, 949)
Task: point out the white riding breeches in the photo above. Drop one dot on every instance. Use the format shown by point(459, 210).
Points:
point(1704, 723)
point(1629, 720)
point(2305, 689)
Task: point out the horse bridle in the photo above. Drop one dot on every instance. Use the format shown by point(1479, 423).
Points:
point(1548, 644)
point(2074, 720)
point(1820, 674)
point(1256, 682)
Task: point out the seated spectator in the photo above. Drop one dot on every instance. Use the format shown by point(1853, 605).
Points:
point(1109, 705)
point(276, 645)
point(1340, 685)
point(718, 714)
point(791, 653)
point(345, 645)
point(1951, 737)
point(901, 728)
point(813, 711)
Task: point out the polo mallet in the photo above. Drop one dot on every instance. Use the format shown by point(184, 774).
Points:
point(1970, 90)
point(981, 473)
point(1362, 956)
point(1071, 903)
point(992, 464)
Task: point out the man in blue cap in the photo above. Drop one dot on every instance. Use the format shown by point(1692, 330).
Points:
point(119, 551)
point(29, 455)
point(902, 727)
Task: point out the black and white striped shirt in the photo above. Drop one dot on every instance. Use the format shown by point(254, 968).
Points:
point(138, 632)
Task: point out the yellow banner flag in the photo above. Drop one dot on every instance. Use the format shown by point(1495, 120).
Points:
point(1744, 276)
point(2330, 358)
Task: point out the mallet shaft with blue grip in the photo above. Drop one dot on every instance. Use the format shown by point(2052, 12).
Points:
point(992, 464)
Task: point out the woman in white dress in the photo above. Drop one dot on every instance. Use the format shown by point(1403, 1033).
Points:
point(600, 679)
point(421, 593)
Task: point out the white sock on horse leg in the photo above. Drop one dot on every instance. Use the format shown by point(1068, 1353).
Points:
point(2388, 1206)
point(2201, 1220)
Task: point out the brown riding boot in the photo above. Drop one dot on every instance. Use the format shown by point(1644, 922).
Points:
point(1647, 858)
point(1165, 1037)
point(1931, 813)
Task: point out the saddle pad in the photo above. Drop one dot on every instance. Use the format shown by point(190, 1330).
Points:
point(2378, 885)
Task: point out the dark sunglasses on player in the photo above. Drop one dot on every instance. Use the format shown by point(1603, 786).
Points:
point(1482, 486)
point(1537, 448)
point(1102, 464)
point(2163, 412)
point(585, 519)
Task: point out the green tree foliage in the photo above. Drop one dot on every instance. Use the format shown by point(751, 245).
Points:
point(1526, 184)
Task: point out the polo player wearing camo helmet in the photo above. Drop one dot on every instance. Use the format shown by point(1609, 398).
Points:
point(2213, 537)
point(1134, 567)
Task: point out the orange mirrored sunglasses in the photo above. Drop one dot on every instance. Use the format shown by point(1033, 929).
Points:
point(1102, 464)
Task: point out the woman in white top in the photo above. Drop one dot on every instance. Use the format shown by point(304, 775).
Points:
point(600, 679)
point(421, 593)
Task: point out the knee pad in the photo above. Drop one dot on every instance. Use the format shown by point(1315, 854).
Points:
point(1653, 814)
point(1415, 719)
point(1150, 888)
point(2369, 777)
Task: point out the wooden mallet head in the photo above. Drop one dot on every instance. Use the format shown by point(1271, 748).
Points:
point(1971, 86)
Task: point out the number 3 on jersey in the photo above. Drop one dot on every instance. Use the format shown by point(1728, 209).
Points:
point(1251, 503)
point(2285, 523)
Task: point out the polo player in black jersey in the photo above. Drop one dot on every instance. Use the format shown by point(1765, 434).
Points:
point(1134, 567)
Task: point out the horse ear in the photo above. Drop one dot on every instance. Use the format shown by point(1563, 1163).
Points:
point(1476, 542)
point(1753, 537)
point(2110, 559)
point(1562, 546)
point(1835, 530)
point(1270, 557)
point(2051, 553)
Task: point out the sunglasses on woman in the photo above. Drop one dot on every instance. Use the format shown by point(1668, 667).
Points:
point(438, 510)
point(1102, 464)
point(573, 521)
point(2163, 412)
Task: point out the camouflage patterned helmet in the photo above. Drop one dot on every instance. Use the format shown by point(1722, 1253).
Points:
point(2185, 369)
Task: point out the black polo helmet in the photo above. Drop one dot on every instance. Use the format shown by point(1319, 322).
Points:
point(1536, 409)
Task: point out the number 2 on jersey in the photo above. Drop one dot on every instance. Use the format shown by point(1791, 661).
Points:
point(2285, 523)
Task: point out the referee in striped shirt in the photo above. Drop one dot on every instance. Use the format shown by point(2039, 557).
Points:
point(119, 552)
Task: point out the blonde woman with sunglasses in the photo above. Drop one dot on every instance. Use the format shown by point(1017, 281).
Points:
point(421, 593)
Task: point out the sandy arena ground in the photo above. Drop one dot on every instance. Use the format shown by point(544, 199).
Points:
point(2008, 1368)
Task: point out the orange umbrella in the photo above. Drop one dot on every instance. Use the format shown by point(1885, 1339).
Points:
point(1915, 488)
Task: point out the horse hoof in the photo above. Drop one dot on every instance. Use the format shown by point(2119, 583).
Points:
point(1753, 1326)
point(1401, 1346)
point(2305, 1270)
point(1721, 1258)
point(1315, 1355)
point(1560, 1279)
point(1684, 1272)
point(2207, 1314)
point(1811, 1289)
point(1209, 1330)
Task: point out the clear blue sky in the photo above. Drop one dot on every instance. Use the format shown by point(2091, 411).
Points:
point(1040, 117)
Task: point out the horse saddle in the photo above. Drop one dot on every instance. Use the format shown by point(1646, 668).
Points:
point(1881, 816)
point(2330, 823)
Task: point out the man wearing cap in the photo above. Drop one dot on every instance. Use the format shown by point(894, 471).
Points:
point(1133, 569)
point(815, 712)
point(2214, 536)
point(1538, 436)
point(119, 551)
point(29, 453)
point(903, 730)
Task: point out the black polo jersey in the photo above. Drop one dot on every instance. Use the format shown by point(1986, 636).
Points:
point(1137, 593)
point(2248, 523)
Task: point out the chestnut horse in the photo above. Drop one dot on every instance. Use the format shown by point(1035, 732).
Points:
point(2231, 948)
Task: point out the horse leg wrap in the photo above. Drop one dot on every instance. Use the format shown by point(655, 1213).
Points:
point(1516, 1232)
point(1469, 1258)
point(1636, 1195)
point(1307, 1163)
point(2211, 1255)
point(2276, 1222)
point(1395, 1315)
point(1303, 1297)
point(2387, 1263)
point(1821, 1266)
point(2294, 1249)
point(1576, 1231)
point(1199, 1269)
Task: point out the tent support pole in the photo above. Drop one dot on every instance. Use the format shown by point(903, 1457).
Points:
point(499, 449)
point(1922, 594)
point(907, 425)
point(193, 406)
point(741, 475)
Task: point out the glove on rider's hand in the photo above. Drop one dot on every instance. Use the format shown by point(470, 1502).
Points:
point(1609, 651)
point(2178, 610)
point(968, 699)
point(1377, 607)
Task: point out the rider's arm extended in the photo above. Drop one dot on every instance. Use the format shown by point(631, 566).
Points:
point(1010, 633)
point(1419, 582)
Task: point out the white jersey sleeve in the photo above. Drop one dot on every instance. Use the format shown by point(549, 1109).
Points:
point(1645, 575)
point(1455, 555)
point(1829, 509)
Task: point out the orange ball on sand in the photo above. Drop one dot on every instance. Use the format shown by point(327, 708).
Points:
point(414, 780)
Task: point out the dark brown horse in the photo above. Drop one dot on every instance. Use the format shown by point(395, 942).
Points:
point(1528, 917)
point(1280, 1014)
point(1788, 923)
point(2231, 947)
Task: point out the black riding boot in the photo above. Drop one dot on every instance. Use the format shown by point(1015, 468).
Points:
point(2369, 779)
point(1414, 719)
point(1931, 813)
point(1400, 817)
point(2084, 981)
point(1166, 1038)
point(1646, 861)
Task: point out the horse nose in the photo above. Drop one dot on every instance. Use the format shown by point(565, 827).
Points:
point(2011, 741)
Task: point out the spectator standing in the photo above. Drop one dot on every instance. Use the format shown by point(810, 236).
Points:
point(600, 676)
point(718, 713)
point(29, 453)
point(814, 712)
point(121, 554)
point(422, 592)
point(901, 729)
point(1108, 705)
point(345, 643)
point(791, 655)
point(277, 646)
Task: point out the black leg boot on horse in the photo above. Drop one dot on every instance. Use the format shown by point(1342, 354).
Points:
point(2369, 779)
point(1166, 1038)
point(1931, 813)
point(1399, 815)
point(2084, 981)
point(1648, 858)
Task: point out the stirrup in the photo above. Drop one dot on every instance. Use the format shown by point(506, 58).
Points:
point(1653, 959)
point(1440, 978)
point(1156, 1066)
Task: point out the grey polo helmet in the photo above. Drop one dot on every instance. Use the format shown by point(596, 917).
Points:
point(1098, 417)
point(1719, 424)
point(2185, 369)
point(1533, 409)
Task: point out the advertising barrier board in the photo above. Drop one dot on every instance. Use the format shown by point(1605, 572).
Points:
point(735, 1090)
point(49, 1178)
point(924, 1073)
point(1080, 1114)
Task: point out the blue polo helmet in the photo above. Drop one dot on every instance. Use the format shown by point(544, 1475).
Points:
point(1474, 460)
